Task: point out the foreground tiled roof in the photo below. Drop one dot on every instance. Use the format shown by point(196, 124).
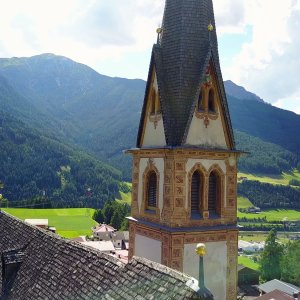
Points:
point(55, 268)
point(181, 59)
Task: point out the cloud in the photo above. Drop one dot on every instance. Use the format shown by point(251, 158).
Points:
point(120, 34)
point(89, 31)
point(230, 16)
point(103, 23)
point(115, 23)
point(269, 65)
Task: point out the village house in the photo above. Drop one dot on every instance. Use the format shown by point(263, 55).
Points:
point(247, 276)
point(104, 232)
point(42, 223)
point(250, 246)
point(278, 295)
point(279, 285)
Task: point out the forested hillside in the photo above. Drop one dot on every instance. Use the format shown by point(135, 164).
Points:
point(268, 196)
point(269, 123)
point(96, 112)
point(48, 102)
point(40, 171)
point(264, 157)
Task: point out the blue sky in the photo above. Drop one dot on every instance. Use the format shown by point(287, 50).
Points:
point(258, 39)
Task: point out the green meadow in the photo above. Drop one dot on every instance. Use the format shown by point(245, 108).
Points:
point(243, 202)
point(248, 262)
point(69, 222)
point(283, 179)
point(274, 215)
point(125, 198)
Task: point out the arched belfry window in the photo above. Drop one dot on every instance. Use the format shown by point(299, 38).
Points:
point(152, 190)
point(201, 106)
point(214, 194)
point(211, 101)
point(196, 193)
point(153, 102)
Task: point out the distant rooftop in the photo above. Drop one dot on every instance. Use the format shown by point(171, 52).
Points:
point(37, 222)
point(104, 246)
point(103, 228)
point(275, 295)
point(276, 284)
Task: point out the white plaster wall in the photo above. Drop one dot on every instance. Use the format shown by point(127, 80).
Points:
point(215, 267)
point(148, 248)
point(213, 135)
point(154, 137)
point(206, 163)
point(160, 165)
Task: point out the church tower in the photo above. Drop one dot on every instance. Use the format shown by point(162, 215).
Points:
point(185, 163)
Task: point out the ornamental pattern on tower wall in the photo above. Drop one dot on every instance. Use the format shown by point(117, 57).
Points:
point(232, 250)
point(135, 184)
point(173, 248)
point(175, 187)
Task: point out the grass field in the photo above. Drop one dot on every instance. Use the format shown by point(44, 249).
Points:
point(244, 202)
point(274, 215)
point(253, 236)
point(248, 262)
point(69, 222)
point(283, 237)
point(280, 179)
point(125, 198)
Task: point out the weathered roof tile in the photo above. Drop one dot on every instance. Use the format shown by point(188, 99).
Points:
point(55, 268)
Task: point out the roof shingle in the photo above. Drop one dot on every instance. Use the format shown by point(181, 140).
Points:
point(56, 268)
point(181, 58)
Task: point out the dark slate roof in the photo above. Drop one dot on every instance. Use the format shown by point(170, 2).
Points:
point(56, 268)
point(181, 58)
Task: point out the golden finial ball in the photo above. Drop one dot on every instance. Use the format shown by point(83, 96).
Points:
point(210, 27)
point(159, 30)
point(201, 249)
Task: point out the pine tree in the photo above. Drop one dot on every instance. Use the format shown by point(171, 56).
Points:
point(117, 218)
point(271, 257)
point(290, 263)
point(98, 216)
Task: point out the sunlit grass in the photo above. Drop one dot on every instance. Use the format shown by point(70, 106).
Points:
point(283, 179)
point(125, 198)
point(69, 222)
point(248, 262)
point(243, 202)
point(274, 215)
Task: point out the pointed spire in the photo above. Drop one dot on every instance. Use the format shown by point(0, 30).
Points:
point(187, 43)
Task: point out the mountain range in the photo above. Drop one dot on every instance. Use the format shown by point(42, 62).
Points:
point(71, 104)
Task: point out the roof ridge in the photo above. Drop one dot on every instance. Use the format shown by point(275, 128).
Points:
point(58, 238)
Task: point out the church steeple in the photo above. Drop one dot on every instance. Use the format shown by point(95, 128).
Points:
point(186, 49)
point(184, 183)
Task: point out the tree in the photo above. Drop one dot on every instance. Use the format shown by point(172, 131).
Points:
point(270, 258)
point(125, 225)
point(117, 218)
point(3, 201)
point(98, 216)
point(290, 263)
point(108, 212)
